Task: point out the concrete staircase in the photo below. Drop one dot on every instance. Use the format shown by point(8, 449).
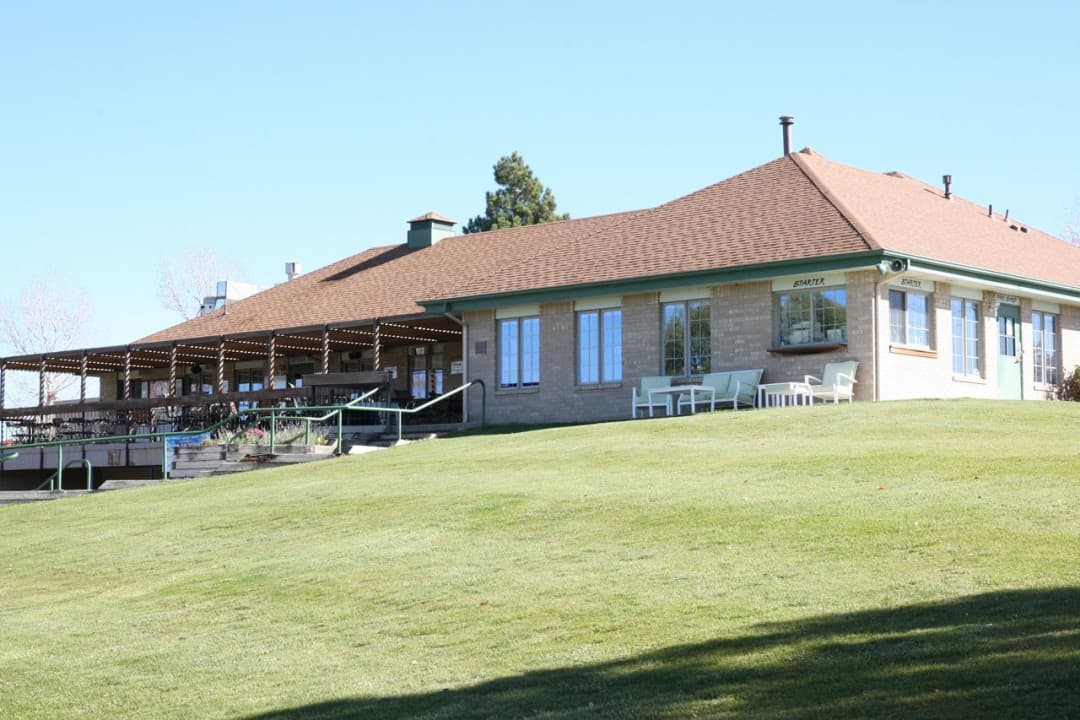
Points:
point(196, 462)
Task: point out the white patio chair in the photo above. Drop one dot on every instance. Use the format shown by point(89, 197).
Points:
point(837, 381)
point(639, 398)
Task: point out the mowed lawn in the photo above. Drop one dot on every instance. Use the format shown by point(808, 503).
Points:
point(893, 560)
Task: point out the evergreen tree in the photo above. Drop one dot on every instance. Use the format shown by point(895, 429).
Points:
point(521, 199)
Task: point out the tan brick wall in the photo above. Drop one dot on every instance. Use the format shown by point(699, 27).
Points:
point(742, 333)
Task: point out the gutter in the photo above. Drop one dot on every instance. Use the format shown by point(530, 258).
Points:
point(713, 276)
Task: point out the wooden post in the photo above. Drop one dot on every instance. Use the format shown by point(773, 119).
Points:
point(325, 349)
point(83, 362)
point(221, 366)
point(270, 368)
point(172, 370)
point(127, 373)
point(378, 347)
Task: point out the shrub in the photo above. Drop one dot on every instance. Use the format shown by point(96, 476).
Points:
point(1070, 385)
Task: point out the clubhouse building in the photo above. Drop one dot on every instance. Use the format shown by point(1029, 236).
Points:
point(791, 265)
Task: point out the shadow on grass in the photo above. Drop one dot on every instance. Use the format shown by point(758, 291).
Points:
point(1009, 654)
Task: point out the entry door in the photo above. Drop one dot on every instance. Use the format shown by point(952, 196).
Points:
point(1009, 353)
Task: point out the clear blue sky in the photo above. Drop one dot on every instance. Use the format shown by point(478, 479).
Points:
point(272, 131)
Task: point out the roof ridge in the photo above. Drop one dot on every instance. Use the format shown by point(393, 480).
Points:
point(548, 223)
point(846, 213)
point(540, 251)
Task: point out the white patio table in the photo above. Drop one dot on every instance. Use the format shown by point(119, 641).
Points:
point(675, 390)
point(783, 393)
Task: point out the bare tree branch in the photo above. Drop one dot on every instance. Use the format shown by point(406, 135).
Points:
point(49, 315)
point(183, 283)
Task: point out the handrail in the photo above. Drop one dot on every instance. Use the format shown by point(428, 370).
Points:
point(332, 410)
point(8, 456)
point(272, 412)
point(56, 480)
point(402, 411)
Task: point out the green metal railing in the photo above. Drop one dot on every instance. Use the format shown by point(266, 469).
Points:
point(275, 413)
point(56, 480)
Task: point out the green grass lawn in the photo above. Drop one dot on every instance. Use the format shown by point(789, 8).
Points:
point(893, 560)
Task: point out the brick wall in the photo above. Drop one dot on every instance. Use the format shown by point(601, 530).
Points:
point(742, 334)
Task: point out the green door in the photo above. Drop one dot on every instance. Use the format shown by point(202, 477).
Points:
point(1009, 353)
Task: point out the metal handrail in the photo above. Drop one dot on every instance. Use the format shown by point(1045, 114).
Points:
point(400, 412)
point(332, 410)
point(56, 480)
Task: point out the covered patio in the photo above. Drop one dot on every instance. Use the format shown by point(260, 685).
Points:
point(190, 383)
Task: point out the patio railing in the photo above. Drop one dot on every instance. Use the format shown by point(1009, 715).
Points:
point(239, 419)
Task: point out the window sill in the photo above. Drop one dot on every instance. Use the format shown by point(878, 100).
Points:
point(973, 379)
point(913, 351)
point(598, 386)
point(807, 349)
point(518, 390)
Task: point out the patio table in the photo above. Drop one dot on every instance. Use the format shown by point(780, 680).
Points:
point(675, 390)
point(783, 393)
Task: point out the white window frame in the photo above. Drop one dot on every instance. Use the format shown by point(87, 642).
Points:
point(519, 352)
point(1046, 373)
point(970, 332)
point(599, 346)
point(907, 331)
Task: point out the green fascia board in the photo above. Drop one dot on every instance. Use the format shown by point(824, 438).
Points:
point(991, 276)
point(742, 273)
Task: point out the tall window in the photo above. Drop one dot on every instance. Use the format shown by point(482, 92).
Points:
point(687, 338)
point(1044, 329)
point(599, 346)
point(806, 318)
point(249, 381)
point(965, 337)
point(909, 319)
point(519, 352)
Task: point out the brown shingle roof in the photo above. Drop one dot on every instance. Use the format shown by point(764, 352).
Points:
point(770, 213)
point(908, 216)
point(798, 206)
point(380, 282)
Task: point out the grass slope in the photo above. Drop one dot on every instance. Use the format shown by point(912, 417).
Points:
point(876, 560)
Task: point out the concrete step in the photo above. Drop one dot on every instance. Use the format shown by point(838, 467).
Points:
point(208, 453)
point(197, 464)
point(121, 484)
point(21, 496)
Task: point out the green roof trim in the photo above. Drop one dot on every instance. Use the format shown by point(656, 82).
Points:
point(741, 273)
point(718, 276)
point(990, 276)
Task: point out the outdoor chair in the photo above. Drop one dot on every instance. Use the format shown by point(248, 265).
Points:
point(837, 381)
point(639, 398)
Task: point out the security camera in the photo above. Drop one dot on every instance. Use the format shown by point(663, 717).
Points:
point(882, 267)
point(898, 265)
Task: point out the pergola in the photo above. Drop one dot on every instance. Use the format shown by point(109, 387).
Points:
point(273, 345)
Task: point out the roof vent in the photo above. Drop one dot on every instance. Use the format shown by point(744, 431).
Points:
point(947, 179)
point(292, 269)
point(786, 121)
point(426, 230)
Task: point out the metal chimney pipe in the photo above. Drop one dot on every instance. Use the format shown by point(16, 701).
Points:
point(947, 179)
point(786, 121)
